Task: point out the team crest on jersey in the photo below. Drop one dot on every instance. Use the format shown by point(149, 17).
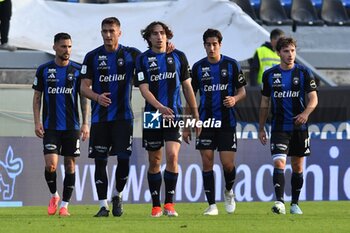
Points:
point(120, 62)
point(296, 80)
point(224, 73)
point(170, 60)
point(70, 76)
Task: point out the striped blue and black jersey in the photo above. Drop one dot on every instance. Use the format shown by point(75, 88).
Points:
point(215, 82)
point(111, 72)
point(60, 86)
point(164, 73)
point(287, 89)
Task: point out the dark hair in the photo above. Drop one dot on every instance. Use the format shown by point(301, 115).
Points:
point(110, 20)
point(276, 33)
point(212, 33)
point(285, 42)
point(146, 33)
point(61, 36)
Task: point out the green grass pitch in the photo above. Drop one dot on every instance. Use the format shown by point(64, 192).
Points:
point(318, 217)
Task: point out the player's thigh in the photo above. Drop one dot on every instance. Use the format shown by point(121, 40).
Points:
point(71, 143)
point(121, 141)
point(279, 144)
point(206, 140)
point(100, 140)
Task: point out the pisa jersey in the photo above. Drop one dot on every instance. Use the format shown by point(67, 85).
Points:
point(111, 72)
point(163, 72)
point(215, 82)
point(287, 89)
point(60, 86)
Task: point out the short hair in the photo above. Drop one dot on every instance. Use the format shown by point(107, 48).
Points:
point(110, 20)
point(212, 33)
point(285, 42)
point(276, 33)
point(61, 36)
point(146, 33)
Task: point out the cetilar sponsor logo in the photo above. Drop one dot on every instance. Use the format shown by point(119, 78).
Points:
point(60, 90)
point(215, 87)
point(111, 77)
point(9, 170)
point(285, 94)
point(165, 75)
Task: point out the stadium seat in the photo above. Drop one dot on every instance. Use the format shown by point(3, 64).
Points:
point(333, 13)
point(93, 1)
point(273, 13)
point(304, 13)
point(117, 1)
point(246, 6)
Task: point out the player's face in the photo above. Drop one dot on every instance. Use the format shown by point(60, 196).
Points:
point(213, 48)
point(110, 34)
point(63, 49)
point(287, 55)
point(158, 38)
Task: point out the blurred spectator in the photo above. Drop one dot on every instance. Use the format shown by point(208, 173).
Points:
point(265, 57)
point(5, 16)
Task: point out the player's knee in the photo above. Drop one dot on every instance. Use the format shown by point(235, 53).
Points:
point(50, 168)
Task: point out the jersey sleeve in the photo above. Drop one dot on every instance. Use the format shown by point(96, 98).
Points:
point(266, 90)
point(140, 71)
point(239, 79)
point(194, 81)
point(310, 81)
point(86, 71)
point(185, 67)
point(38, 83)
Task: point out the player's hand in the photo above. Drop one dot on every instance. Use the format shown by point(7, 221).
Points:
point(39, 130)
point(186, 135)
point(104, 100)
point(167, 113)
point(262, 137)
point(301, 119)
point(170, 47)
point(84, 132)
point(229, 101)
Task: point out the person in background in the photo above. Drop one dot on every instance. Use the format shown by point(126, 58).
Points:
point(58, 82)
point(5, 17)
point(265, 57)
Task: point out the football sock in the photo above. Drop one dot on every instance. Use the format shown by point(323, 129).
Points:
point(64, 204)
point(209, 186)
point(104, 203)
point(154, 182)
point(170, 180)
point(50, 178)
point(68, 186)
point(121, 174)
point(297, 183)
point(230, 178)
point(101, 180)
point(278, 183)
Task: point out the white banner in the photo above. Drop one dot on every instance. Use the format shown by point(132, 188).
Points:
point(35, 22)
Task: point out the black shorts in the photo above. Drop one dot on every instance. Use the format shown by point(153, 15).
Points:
point(295, 143)
point(153, 139)
point(111, 138)
point(62, 142)
point(222, 139)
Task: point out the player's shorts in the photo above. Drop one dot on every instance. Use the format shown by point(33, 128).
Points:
point(111, 138)
point(222, 139)
point(62, 142)
point(294, 143)
point(153, 139)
